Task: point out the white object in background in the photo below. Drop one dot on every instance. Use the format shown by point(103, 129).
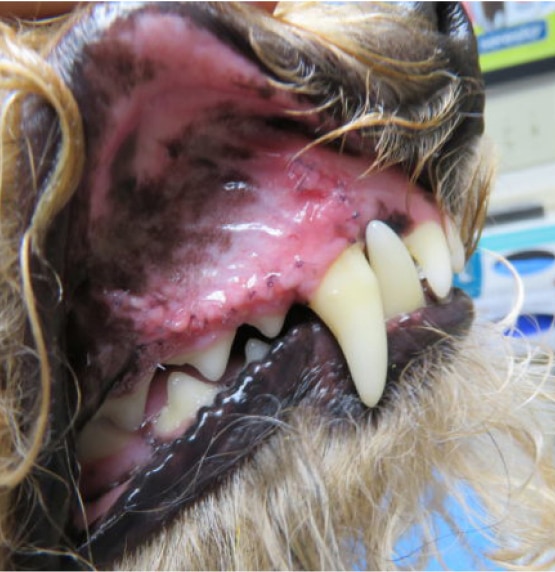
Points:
point(530, 247)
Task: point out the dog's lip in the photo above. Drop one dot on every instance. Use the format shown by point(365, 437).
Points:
point(304, 366)
point(91, 125)
point(126, 35)
point(142, 416)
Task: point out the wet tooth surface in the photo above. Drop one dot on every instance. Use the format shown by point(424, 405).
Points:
point(100, 438)
point(428, 245)
point(210, 362)
point(348, 301)
point(255, 350)
point(456, 247)
point(397, 276)
point(126, 411)
point(186, 395)
point(270, 325)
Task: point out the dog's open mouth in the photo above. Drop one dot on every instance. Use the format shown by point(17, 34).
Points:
point(222, 269)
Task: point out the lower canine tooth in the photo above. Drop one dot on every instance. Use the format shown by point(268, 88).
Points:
point(428, 245)
point(397, 276)
point(186, 395)
point(210, 362)
point(348, 301)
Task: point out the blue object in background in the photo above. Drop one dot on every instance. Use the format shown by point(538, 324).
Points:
point(530, 248)
point(527, 263)
point(462, 549)
point(470, 279)
point(527, 248)
point(531, 325)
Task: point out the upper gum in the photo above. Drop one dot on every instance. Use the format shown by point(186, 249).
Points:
point(203, 341)
point(170, 311)
point(207, 339)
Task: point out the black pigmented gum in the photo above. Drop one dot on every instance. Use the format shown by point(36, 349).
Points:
point(423, 329)
point(224, 435)
point(305, 367)
point(141, 231)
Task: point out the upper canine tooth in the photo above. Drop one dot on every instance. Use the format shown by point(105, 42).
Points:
point(397, 276)
point(428, 245)
point(186, 395)
point(456, 247)
point(348, 301)
point(210, 362)
point(269, 325)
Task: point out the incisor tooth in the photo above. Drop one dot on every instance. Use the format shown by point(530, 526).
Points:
point(348, 301)
point(456, 247)
point(270, 325)
point(255, 350)
point(186, 395)
point(210, 362)
point(127, 411)
point(428, 245)
point(397, 276)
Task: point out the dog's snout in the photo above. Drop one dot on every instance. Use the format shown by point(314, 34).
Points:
point(452, 19)
point(458, 45)
point(458, 42)
point(448, 18)
point(454, 23)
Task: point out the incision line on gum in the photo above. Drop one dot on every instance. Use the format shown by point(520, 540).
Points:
point(356, 296)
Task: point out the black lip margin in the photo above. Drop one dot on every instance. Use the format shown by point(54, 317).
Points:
point(244, 416)
point(239, 421)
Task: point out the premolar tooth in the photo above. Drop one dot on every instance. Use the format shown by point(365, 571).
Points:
point(428, 245)
point(186, 395)
point(269, 325)
point(348, 301)
point(100, 438)
point(397, 276)
point(456, 247)
point(255, 350)
point(210, 362)
point(126, 411)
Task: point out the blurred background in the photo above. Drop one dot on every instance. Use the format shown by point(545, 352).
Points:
point(517, 53)
point(516, 41)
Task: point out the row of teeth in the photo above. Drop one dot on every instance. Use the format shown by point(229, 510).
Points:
point(355, 298)
point(358, 295)
point(110, 429)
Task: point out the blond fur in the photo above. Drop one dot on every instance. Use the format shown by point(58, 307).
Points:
point(338, 495)
point(321, 494)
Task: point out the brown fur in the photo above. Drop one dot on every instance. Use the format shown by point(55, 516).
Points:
point(320, 494)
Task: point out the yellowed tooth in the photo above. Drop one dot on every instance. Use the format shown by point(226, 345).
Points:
point(210, 362)
point(397, 276)
point(126, 411)
point(186, 395)
point(99, 439)
point(428, 245)
point(255, 350)
point(456, 247)
point(348, 301)
point(269, 325)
